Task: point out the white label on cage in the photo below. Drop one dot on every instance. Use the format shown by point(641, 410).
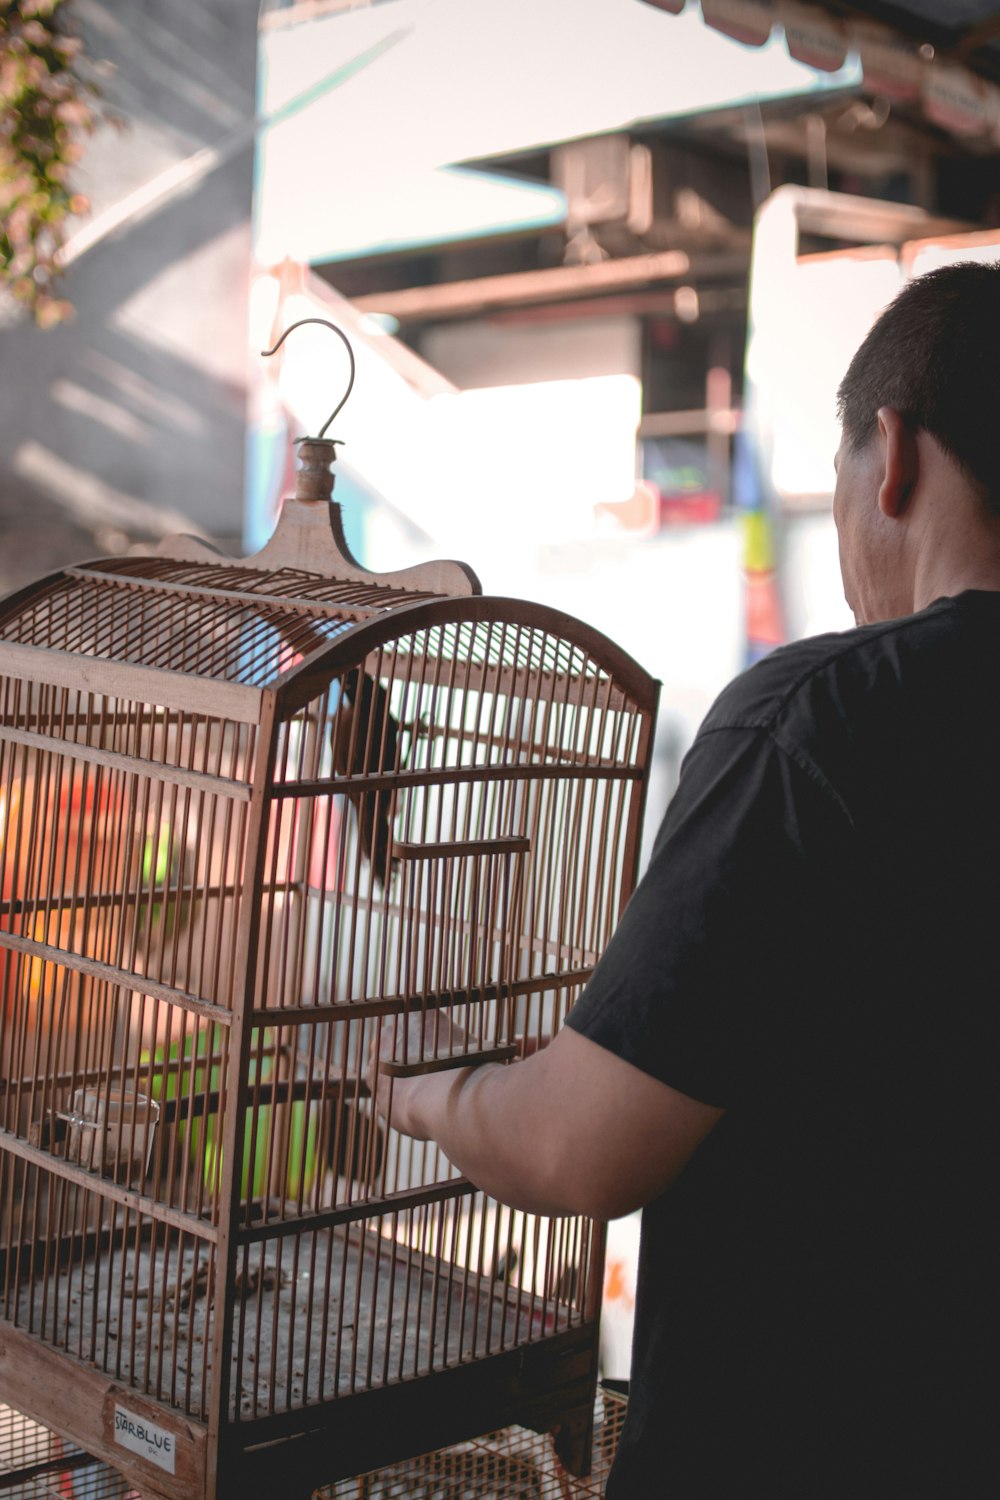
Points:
point(144, 1437)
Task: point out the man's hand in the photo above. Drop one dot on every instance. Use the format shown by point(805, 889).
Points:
point(409, 1038)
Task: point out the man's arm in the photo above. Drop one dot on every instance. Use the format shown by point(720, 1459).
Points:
point(571, 1129)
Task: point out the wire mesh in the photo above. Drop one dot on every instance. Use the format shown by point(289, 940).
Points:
point(37, 1464)
point(510, 1464)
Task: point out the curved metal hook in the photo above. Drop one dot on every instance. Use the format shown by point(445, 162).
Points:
point(326, 324)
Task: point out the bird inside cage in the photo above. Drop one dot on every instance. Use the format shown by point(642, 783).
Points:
point(364, 738)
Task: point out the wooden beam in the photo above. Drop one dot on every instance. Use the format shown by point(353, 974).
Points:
point(522, 288)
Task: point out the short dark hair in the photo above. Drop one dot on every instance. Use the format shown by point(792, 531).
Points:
point(934, 355)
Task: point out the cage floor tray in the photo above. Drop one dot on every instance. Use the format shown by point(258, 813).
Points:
point(326, 1314)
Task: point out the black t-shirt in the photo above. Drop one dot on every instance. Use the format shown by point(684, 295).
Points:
point(816, 948)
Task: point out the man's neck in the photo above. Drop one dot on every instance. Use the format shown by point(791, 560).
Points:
point(943, 581)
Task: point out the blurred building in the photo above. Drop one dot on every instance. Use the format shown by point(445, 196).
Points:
point(537, 223)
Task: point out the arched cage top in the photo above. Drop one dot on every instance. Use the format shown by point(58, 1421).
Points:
point(226, 623)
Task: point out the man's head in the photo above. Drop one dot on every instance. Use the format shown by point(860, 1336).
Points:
point(934, 356)
point(920, 411)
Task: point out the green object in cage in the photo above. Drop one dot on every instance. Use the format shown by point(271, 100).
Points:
point(166, 1072)
point(201, 1135)
point(300, 1148)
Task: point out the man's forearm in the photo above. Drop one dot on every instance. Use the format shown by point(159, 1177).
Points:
point(486, 1120)
point(571, 1130)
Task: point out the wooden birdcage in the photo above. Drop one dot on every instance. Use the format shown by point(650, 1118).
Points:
point(252, 813)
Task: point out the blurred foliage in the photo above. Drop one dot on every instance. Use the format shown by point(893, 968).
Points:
point(46, 108)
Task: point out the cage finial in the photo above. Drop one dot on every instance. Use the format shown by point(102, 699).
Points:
point(310, 535)
point(350, 384)
point(314, 480)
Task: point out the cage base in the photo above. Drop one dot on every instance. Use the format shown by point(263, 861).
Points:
point(390, 1313)
point(511, 1463)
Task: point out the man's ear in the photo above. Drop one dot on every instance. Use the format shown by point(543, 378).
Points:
point(900, 462)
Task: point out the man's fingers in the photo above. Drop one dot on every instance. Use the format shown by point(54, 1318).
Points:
point(409, 1037)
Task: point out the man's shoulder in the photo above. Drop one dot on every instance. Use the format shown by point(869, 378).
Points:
point(844, 666)
point(759, 697)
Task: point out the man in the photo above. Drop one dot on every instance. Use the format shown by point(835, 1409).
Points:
point(790, 1053)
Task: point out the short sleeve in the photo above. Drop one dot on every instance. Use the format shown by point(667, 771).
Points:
point(704, 977)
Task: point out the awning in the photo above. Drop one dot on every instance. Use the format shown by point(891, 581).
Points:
point(365, 110)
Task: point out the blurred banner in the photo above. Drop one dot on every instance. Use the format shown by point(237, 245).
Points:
point(749, 21)
point(814, 38)
point(892, 65)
